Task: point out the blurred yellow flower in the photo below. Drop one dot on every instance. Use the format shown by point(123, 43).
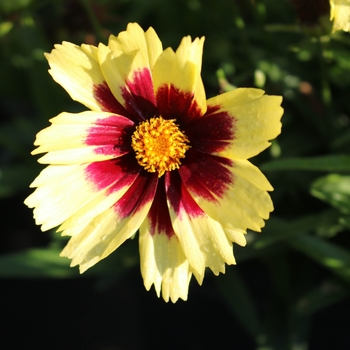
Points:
point(153, 155)
point(340, 13)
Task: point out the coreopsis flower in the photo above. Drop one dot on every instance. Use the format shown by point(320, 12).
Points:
point(153, 155)
point(340, 14)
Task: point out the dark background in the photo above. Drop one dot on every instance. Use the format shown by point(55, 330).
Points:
point(290, 289)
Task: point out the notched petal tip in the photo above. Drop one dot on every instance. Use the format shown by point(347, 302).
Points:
point(163, 264)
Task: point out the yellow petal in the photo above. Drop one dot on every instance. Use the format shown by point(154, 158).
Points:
point(154, 46)
point(256, 120)
point(191, 243)
point(52, 174)
point(211, 240)
point(77, 70)
point(100, 237)
point(134, 39)
point(340, 13)
point(62, 195)
point(236, 236)
point(74, 156)
point(163, 264)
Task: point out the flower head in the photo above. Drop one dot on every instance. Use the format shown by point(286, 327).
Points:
point(340, 13)
point(153, 155)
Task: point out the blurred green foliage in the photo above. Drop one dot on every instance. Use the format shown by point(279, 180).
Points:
point(305, 246)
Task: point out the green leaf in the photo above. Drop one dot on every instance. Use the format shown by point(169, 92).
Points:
point(333, 189)
point(47, 263)
point(278, 230)
point(334, 258)
point(37, 263)
point(345, 221)
point(324, 295)
point(333, 163)
point(5, 28)
point(13, 5)
point(224, 84)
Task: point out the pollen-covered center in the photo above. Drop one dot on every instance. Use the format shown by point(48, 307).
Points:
point(159, 145)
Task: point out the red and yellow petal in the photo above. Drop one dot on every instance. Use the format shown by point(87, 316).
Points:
point(84, 137)
point(202, 239)
point(163, 263)
point(255, 119)
point(69, 189)
point(110, 180)
point(177, 81)
point(103, 234)
point(232, 193)
point(77, 70)
point(126, 64)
